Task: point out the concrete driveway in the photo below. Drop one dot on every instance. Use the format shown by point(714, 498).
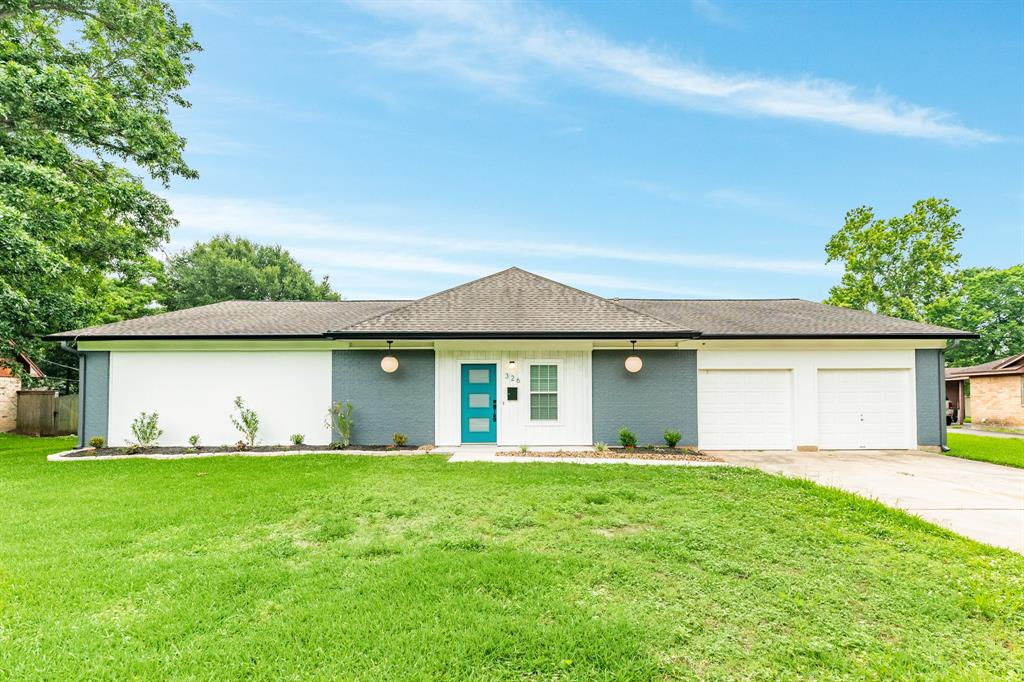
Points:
point(980, 500)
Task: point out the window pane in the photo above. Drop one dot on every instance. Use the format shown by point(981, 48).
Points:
point(479, 425)
point(543, 377)
point(479, 400)
point(479, 376)
point(544, 406)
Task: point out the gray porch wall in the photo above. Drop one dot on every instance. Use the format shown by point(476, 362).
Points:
point(662, 395)
point(929, 374)
point(93, 395)
point(385, 403)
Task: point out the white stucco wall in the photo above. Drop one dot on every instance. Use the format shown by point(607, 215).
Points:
point(193, 392)
point(804, 365)
point(514, 426)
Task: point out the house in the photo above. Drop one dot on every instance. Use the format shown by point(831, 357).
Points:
point(10, 384)
point(996, 391)
point(517, 359)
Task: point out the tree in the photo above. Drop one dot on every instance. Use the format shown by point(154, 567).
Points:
point(987, 301)
point(231, 268)
point(85, 90)
point(896, 266)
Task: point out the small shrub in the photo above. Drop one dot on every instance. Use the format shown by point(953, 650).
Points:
point(400, 439)
point(193, 440)
point(297, 439)
point(627, 438)
point(146, 430)
point(672, 438)
point(246, 421)
point(524, 448)
point(241, 446)
point(96, 442)
point(339, 418)
point(336, 445)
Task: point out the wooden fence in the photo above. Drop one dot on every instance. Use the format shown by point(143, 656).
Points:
point(42, 412)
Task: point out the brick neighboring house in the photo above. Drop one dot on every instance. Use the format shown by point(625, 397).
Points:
point(10, 384)
point(997, 391)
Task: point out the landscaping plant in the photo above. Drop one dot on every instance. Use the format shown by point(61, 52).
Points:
point(339, 418)
point(672, 438)
point(193, 440)
point(627, 438)
point(297, 439)
point(146, 430)
point(246, 421)
point(400, 439)
point(96, 442)
point(600, 446)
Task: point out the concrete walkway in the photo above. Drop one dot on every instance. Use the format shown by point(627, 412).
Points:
point(989, 434)
point(489, 453)
point(980, 500)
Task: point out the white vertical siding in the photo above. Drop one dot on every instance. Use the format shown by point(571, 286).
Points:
point(193, 391)
point(574, 425)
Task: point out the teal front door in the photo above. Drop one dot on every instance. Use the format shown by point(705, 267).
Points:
point(479, 404)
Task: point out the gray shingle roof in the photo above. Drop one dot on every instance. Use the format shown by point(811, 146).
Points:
point(1013, 364)
point(241, 318)
point(512, 302)
point(786, 317)
point(508, 304)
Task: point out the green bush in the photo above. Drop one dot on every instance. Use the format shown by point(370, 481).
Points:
point(247, 421)
point(193, 440)
point(96, 442)
point(600, 446)
point(400, 439)
point(672, 438)
point(627, 438)
point(297, 439)
point(146, 430)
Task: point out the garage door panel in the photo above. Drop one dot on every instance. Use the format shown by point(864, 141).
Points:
point(863, 408)
point(745, 410)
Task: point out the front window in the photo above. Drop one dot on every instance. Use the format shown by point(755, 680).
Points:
point(543, 392)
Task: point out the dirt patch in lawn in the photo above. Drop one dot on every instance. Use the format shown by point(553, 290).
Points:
point(682, 454)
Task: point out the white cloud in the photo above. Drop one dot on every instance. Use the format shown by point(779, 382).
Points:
point(712, 13)
point(502, 45)
point(339, 249)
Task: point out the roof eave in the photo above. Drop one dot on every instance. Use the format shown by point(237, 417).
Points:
point(530, 335)
point(182, 337)
point(943, 335)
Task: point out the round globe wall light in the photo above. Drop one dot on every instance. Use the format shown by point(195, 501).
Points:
point(633, 363)
point(389, 363)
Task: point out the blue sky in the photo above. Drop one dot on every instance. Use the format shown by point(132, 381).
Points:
point(694, 150)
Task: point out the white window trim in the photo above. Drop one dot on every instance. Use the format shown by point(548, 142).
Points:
point(530, 422)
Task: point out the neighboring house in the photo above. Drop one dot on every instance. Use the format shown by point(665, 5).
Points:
point(518, 359)
point(10, 384)
point(996, 391)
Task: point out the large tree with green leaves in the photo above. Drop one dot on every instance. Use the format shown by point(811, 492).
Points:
point(896, 266)
point(231, 268)
point(987, 301)
point(86, 87)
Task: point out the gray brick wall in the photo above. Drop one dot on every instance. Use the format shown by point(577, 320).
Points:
point(93, 395)
point(929, 375)
point(385, 403)
point(662, 395)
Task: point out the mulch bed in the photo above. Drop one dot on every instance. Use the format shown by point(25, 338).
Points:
point(207, 449)
point(678, 454)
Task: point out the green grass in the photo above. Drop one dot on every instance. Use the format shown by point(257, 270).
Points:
point(1008, 451)
point(335, 566)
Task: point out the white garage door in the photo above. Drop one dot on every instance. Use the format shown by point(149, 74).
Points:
point(863, 408)
point(745, 410)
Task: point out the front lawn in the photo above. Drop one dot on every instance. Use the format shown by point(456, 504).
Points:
point(335, 566)
point(1008, 451)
